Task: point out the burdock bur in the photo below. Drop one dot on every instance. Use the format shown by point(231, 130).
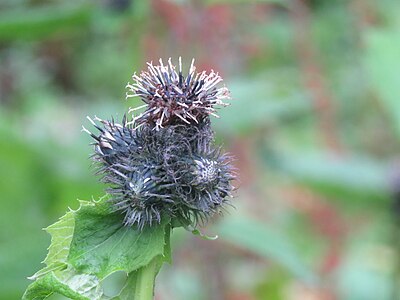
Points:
point(162, 170)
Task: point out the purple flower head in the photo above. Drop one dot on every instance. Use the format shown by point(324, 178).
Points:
point(172, 98)
point(163, 163)
point(173, 171)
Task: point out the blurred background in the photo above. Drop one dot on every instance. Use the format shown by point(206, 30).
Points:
point(314, 125)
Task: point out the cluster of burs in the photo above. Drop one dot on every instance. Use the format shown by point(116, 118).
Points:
point(163, 161)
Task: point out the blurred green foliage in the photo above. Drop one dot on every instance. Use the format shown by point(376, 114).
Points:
point(43, 22)
point(314, 123)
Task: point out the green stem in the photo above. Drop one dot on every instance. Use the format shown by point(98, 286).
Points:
point(140, 283)
point(145, 279)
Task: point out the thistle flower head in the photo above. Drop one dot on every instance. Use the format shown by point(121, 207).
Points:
point(172, 171)
point(172, 98)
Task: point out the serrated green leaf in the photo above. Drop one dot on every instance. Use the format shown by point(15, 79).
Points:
point(68, 283)
point(61, 236)
point(102, 245)
point(89, 244)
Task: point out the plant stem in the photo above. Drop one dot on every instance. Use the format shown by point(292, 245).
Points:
point(140, 283)
point(145, 279)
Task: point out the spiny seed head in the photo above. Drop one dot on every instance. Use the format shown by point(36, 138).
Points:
point(172, 171)
point(171, 98)
point(163, 162)
point(205, 171)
